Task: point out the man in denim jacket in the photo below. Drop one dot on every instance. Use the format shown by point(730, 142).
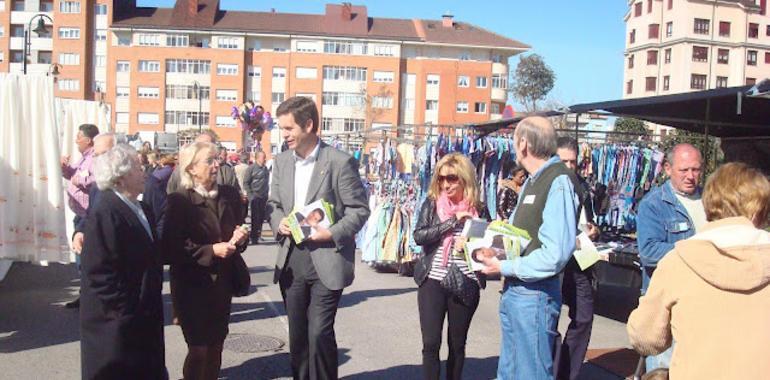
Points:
point(670, 213)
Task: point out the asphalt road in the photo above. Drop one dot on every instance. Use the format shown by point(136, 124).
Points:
point(377, 328)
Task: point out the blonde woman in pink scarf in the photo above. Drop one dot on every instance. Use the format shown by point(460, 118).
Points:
point(453, 197)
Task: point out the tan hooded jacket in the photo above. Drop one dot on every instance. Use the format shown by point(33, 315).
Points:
point(711, 295)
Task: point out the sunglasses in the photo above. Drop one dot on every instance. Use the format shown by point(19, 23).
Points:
point(452, 178)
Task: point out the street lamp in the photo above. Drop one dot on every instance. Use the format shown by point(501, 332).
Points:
point(197, 89)
point(40, 29)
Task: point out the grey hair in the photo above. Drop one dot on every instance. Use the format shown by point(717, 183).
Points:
point(540, 136)
point(672, 153)
point(187, 159)
point(103, 135)
point(115, 163)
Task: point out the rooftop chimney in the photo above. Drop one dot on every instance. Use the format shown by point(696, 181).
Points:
point(447, 20)
point(347, 11)
point(192, 8)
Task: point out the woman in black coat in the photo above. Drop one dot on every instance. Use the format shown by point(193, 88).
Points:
point(121, 311)
point(203, 241)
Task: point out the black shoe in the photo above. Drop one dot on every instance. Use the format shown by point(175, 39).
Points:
point(73, 304)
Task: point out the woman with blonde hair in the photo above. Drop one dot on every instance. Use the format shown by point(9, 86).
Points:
point(203, 242)
point(453, 197)
point(710, 294)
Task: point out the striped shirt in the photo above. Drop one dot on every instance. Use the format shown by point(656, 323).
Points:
point(437, 269)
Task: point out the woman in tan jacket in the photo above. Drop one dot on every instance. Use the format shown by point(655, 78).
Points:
point(710, 294)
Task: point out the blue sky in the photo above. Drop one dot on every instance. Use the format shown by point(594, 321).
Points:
point(582, 41)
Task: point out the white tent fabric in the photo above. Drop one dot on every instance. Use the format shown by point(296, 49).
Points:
point(32, 203)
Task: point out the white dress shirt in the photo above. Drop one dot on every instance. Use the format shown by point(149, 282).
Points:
point(303, 170)
point(137, 209)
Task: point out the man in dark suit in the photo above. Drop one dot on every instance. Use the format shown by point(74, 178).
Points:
point(225, 176)
point(313, 274)
point(257, 182)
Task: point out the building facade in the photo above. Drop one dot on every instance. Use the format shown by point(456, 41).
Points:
point(171, 69)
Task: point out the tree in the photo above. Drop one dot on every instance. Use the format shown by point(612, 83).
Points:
point(631, 126)
point(532, 81)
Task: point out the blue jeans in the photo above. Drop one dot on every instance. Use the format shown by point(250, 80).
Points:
point(529, 314)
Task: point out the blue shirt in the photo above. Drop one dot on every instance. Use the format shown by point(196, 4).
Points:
point(557, 233)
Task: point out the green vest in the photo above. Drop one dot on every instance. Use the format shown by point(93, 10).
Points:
point(529, 211)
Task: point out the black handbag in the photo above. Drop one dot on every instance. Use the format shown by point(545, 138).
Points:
point(241, 277)
point(461, 286)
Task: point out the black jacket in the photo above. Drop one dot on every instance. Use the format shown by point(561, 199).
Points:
point(428, 233)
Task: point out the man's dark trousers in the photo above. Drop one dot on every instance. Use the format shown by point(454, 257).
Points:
point(311, 308)
point(257, 218)
point(578, 295)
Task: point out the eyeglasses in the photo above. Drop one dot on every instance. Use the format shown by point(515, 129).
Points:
point(452, 178)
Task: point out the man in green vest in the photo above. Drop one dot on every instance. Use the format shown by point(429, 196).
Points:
point(531, 300)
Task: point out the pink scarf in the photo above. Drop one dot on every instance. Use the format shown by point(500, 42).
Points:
point(446, 209)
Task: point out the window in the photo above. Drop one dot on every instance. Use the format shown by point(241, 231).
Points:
point(652, 57)
point(100, 9)
point(342, 124)
point(279, 72)
point(630, 86)
point(721, 82)
point(347, 99)
point(190, 66)
point(767, 57)
point(500, 81)
point(254, 45)
point(465, 56)
point(382, 101)
point(100, 60)
point(18, 5)
point(123, 66)
point(344, 73)
point(68, 6)
point(279, 48)
point(481, 82)
point(480, 107)
point(46, 6)
point(227, 42)
point(650, 83)
point(100, 35)
point(723, 56)
point(174, 91)
point(227, 95)
point(307, 46)
point(306, 73)
point(2, 30)
point(700, 53)
point(632, 36)
point(463, 81)
point(666, 82)
point(68, 84)
point(124, 40)
point(149, 66)
point(638, 9)
point(147, 118)
point(724, 29)
point(409, 104)
point(66, 33)
point(201, 42)
point(462, 107)
point(69, 59)
point(2, 5)
point(649, 6)
point(669, 29)
point(767, 32)
point(18, 30)
point(751, 57)
point(278, 97)
point(148, 92)
point(384, 50)
point(148, 39)
point(177, 40)
point(2, 56)
point(344, 47)
point(433, 80)
point(256, 95)
point(122, 92)
point(121, 117)
point(227, 69)
point(100, 86)
point(17, 56)
point(751, 81)
point(667, 55)
point(44, 57)
point(698, 82)
point(670, 4)
point(497, 58)
point(254, 71)
point(383, 76)
point(431, 105)
point(653, 31)
point(225, 122)
point(186, 118)
point(753, 30)
point(701, 26)
point(496, 108)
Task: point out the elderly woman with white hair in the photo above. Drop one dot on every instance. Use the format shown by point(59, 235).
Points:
point(121, 313)
point(202, 241)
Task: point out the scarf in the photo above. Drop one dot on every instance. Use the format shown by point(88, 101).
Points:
point(211, 194)
point(446, 209)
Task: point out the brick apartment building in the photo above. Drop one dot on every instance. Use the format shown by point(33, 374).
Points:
point(363, 71)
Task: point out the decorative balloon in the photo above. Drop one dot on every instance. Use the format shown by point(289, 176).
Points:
point(253, 119)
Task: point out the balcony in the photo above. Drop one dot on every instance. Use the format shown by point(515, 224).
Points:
point(495, 116)
point(499, 68)
point(499, 95)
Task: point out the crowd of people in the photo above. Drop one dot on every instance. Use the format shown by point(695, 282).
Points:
point(706, 258)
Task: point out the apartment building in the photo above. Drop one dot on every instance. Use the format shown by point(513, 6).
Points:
point(150, 64)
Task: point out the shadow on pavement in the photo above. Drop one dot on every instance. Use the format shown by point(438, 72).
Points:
point(271, 366)
point(33, 315)
point(354, 298)
point(475, 368)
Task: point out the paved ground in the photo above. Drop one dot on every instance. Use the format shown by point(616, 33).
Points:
point(377, 328)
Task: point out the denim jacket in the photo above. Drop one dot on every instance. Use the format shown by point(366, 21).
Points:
point(662, 221)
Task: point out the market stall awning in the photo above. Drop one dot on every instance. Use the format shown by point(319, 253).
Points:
point(729, 112)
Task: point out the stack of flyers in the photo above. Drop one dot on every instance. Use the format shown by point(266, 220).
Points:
point(505, 240)
point(303, 222)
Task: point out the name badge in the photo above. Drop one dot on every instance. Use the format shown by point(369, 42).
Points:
point(529, 199)
point(683, 226)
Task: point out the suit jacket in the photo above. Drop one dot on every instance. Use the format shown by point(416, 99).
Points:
point(257, 181)
point(121, 310)
point(335, 178)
